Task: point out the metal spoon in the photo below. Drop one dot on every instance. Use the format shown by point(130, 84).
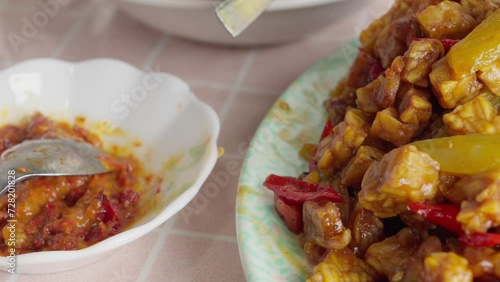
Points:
point(237, 15)
point(48, 157)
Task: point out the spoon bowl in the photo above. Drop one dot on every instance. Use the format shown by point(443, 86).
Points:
point(48, 157)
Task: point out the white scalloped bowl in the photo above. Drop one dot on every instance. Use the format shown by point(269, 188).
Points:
point(157, 108)
point(283, 21)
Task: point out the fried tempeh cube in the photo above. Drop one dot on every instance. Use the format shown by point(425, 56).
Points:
point(404, 175)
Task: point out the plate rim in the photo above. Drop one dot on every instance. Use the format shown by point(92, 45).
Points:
point(244, 257)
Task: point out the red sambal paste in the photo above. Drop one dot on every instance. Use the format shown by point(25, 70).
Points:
point(67, 213)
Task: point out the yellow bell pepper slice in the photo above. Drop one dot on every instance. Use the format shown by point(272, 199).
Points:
point(479, 49)
point(464, 154)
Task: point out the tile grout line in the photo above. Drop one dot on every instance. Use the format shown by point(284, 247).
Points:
point(261, 91)
point(208, 84)
point(207, 236)
point(156, 51)
point(73, 31)
point(249, 60)
point(158, 245)
point(222, 86)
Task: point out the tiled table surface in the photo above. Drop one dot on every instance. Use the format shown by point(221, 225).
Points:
point(239, 83)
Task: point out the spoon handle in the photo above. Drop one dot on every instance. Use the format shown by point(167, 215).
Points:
point(237, 15)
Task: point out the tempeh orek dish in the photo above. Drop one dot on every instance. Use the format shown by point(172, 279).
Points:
point(404, 183)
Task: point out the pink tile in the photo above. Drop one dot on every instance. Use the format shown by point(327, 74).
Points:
point(213, 97)
point(350, 27)
point(193, 259)
point(25, 36)
point(195, 61)
point(212, 210)
point(335, 33)
point(125, 264)
point(273, 68)
point(242, 120)
point(4, 276)
point(108, 33)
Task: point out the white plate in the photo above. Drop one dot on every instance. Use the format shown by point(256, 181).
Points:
point(283, 21)
point(156, 108)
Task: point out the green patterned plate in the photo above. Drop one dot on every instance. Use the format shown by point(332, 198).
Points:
point(269, 252)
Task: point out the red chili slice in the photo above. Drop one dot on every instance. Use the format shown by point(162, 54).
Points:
point(291, 215)
point(296, 192)
point(481, 239)
point(327, 130)
point(445, 216)
point(442, 215)
point(109, 211)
